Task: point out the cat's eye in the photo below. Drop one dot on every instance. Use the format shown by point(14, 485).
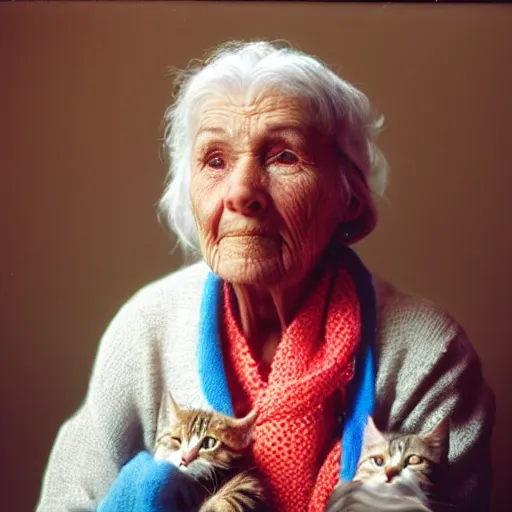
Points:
point(414, 460)
point(164, 439)
point(209, 443)
point(378, 460)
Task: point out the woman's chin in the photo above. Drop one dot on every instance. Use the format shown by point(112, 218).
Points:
point(250, 271)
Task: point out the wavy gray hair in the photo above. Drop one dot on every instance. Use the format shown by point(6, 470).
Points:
point(336, 107)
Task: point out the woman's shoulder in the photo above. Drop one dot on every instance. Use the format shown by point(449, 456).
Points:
point(422, 353)
point(413, 323)
point(179, 290)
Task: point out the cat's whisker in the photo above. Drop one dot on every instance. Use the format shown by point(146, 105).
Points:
point(209, 491)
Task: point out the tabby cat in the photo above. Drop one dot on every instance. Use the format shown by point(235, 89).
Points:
point(212, 449)
point(395, 472)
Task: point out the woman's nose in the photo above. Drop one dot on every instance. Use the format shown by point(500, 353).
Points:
point(246, 194)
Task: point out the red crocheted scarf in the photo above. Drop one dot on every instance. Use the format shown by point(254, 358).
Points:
point(296, 443)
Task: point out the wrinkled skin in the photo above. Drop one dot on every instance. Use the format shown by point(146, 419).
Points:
point(267, 196)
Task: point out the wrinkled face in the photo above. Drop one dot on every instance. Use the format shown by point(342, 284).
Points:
point(265, 189)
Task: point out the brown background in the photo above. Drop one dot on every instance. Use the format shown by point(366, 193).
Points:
point(83, 90)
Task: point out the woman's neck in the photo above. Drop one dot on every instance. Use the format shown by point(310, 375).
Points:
point(263, 316)
point(265, 313)
point(264, 308)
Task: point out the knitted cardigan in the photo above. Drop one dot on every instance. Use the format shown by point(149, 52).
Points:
point(426, 369)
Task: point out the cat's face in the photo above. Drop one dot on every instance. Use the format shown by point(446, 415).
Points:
point(199, 442)
point(410, 459)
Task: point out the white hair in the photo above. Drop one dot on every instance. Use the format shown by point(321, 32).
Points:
point(338, 108)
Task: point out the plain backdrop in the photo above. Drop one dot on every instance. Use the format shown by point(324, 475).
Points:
point(83, 90)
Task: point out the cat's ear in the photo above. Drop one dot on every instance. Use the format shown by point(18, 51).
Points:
point(247, 422)
point(372, 435)
point(439, 435)
point(169, 410)
point(244, 427)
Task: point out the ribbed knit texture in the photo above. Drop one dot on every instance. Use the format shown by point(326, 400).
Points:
point(313, 358)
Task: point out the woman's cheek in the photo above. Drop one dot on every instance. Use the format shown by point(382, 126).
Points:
point(296, 199)
point(308, 208)
point(207, 209)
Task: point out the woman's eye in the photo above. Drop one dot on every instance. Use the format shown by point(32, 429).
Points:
point(378, 460)
point(414, 460)
point(216, 163)
point(286, 158)
point(208, 443)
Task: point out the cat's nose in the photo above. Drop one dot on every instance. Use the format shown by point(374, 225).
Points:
point(391, 472)
point(187, 458)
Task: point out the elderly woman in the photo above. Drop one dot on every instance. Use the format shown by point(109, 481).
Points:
point(273, 170)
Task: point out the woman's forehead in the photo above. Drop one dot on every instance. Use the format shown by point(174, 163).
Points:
point(235, 115)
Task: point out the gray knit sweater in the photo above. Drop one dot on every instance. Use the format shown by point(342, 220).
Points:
point(426, 369)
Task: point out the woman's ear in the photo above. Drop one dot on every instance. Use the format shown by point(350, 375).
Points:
point(358, 193)
point(353, 211)
point(359, 217)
